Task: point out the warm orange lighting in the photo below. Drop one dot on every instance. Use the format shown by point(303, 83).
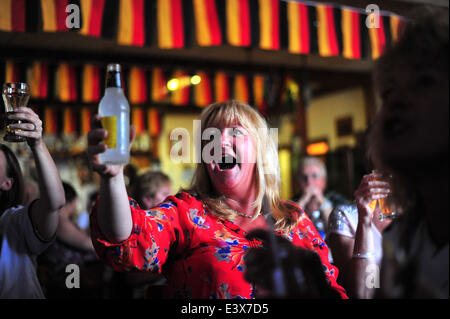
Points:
point(319, 148)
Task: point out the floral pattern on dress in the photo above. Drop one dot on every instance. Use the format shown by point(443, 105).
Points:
point(198, 218)
point(151, 257)
point(200, 254)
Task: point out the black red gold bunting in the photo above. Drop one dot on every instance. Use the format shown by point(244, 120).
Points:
point(237, 22)
point(85, 84)
point(254, 24)
point(92, 17)
point(15, 71)
point(171, 24)
point(53, 15)
point(13, 16)
point(110, 20)
point(207, 24)
point(268, 24)
point(150, 23)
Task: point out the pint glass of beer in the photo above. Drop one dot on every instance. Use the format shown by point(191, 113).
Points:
point(15, 94)
point(386, 211)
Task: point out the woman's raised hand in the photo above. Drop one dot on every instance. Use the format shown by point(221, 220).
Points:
point(96, 146)
point(30, 127)
point(370, 189)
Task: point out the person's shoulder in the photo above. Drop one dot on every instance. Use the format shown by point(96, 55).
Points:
point(295, 212)
point(343, 220)
point(185, 197)
point(12, 212)
point(336, 199)
point(182, 201)
point(348, 210)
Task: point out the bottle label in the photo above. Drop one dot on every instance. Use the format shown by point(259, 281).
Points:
point(109, 123)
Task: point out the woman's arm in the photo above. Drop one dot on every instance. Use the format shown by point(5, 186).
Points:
point(364, 254)
point(44, 212)
point(69, 234)
point(341, 248)
point(114, 215)
point(363, 257)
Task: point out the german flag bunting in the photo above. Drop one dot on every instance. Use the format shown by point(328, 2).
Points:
point(203, 95)
point(137, 92)
point(238, 22)
point(170, 24)
point(12, 15)
point(379, 35)
point(66, 83)
point(91, 91)
point(207, 25)
point(131, 23)
point(92, 17)
point(85, 121)
point(241, 88)
point(269, 24)
point(38, 80)
point(299, 28)
point(50, 121)
point(328, 34)
point(154, 122)
point(259, 88)
point(159, 91)
point(13, 72)
point(396, 26)
point(110, 21)
point(351, 34)
point(69, 121)
point(222, 92)
point(54, 15)
point(181, 95)
point(138, 119)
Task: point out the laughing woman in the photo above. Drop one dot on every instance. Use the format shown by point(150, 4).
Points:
point(197, 238)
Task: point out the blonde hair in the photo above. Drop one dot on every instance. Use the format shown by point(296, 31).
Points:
point(309, 160)
point(267, 172)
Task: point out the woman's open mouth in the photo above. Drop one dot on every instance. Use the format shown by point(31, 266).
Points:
point(227, 162)
point(394, 127)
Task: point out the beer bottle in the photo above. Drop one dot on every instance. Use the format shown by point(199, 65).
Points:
point(114, 112)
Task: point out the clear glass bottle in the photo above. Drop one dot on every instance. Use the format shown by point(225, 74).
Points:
point(114, 111)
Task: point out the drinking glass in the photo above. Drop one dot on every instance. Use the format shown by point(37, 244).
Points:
point(15, 94)
point(386, 211)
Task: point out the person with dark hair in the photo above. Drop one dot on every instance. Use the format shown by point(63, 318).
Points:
point(12, 184)
point(348, 235)
point(26, 231)
point(72, 246)
point(410, 141)
point(68, 232)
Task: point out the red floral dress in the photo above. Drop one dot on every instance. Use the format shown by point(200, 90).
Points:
point(201, 255)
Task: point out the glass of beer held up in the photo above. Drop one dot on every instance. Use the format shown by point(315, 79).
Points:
point(386, 210)
point(15, 95)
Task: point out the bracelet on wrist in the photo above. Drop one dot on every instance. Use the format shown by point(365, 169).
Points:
point(364, 255)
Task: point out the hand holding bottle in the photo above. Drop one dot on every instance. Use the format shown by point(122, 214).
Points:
point(96, 147)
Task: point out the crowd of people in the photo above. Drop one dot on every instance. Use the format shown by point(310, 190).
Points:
point(230, 235)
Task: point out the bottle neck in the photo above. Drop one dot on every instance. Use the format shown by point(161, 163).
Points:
point(113, 90)
point(113, 80)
